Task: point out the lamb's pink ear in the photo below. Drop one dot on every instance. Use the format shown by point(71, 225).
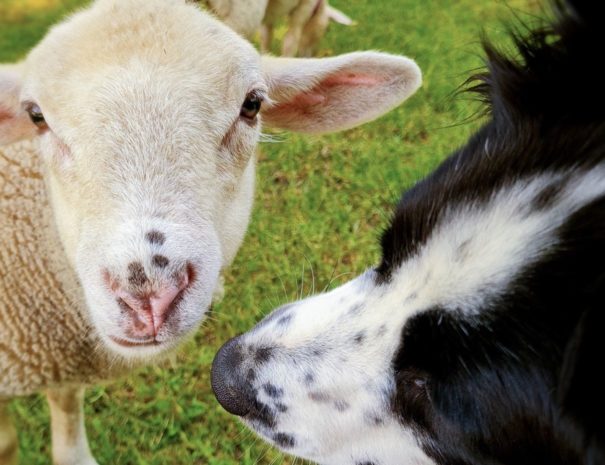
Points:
point(14, 121)
point(316, 95)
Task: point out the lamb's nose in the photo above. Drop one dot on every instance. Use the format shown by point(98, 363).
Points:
point(230, 387)
point(150, 304)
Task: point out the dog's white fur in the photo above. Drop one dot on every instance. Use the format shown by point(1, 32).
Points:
point(142, 98)
point(307, 21)
point(333, 352)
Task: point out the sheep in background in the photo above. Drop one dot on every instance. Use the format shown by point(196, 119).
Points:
point(243, 16)
point(127, 164)
point(307, 21)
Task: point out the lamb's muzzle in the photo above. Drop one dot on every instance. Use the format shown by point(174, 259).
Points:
point(146, 302)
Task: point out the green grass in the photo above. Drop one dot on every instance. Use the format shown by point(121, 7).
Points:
point(320, 205)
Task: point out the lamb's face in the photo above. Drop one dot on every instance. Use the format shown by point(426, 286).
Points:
point(148, 137)
point(146, 113)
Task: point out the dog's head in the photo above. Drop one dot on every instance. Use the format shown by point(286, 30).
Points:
point(465, 345)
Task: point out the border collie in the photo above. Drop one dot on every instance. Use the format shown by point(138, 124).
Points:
point(480, 337)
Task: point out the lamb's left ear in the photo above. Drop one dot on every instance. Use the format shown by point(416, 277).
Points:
point(316, 95)
point(14, 121)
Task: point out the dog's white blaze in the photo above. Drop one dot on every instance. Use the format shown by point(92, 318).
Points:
point(477, 249)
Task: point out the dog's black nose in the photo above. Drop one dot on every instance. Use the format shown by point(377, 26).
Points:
point(229, 386)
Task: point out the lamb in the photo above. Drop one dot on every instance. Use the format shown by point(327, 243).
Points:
point(127, 161)
point(308, 21)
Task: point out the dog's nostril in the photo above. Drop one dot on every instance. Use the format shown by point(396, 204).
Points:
point(228, 382)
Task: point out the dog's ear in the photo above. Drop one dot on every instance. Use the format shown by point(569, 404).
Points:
point(581, 390)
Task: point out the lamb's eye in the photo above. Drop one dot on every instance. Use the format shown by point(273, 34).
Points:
point(251, 106)
point(35, 114)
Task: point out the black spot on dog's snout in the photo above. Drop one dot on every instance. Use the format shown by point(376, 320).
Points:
point(263, 354)
point(309, 378)
point(355, 310)
point(281, 407)
point(319, 396)
point(136, 274)
point(262, 413)
point(317, 352)
point(359, 337)
point(155, 237)
point(285, 320)
point(284, 440)
point(160, 261)
point(278, 313)
point(341, 405)
point(272, 391)
point(373, 419)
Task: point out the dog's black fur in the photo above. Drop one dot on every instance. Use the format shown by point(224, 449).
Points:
point(522, 384)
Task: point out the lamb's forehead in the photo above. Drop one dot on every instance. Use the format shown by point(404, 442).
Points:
point(187, 46)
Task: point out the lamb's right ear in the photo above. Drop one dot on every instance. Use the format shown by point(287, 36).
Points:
point(14, 121)
point(316, 95)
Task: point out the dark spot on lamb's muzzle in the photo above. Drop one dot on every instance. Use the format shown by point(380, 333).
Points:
point(155, 237)
point(284, 440)
point(160, 261)
point(136, 274)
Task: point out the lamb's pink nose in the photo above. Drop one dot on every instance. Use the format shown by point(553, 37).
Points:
point(149, 310)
